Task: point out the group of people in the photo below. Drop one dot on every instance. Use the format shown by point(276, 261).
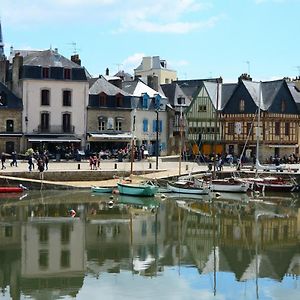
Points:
point(13, 162)
point(41, 160)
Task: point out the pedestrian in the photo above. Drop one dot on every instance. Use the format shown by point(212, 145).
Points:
point(3, 158)
point(30, 163)
point(14, 159)
point(40, 165)
point(46, 161)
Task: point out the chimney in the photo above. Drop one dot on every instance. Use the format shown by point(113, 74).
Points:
point(152, 81)
point(4, 65)
point(107, 72)
point(245, 76)
point(16, 72)
point(75, 58)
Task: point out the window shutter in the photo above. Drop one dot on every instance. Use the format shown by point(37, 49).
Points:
point(154, 125)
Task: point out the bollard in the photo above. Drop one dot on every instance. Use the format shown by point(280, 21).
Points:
point(186, 167)
point(116, 166)
point(78, 166)
point(150, 166)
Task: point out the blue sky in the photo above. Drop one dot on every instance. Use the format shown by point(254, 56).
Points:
point(199, 39)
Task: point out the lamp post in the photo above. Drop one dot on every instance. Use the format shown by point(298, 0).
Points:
point(157, 129)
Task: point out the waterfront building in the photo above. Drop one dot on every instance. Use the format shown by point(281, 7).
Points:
point(152, 68)
point(109, 122)
point(279, 119)
point(54, 90)
point(149, 106)
point(177, 127)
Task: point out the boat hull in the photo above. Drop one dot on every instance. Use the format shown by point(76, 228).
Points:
point(98, 189)
point(137, 189)
point(11, 189)
point(230, 186)
point(180, 189)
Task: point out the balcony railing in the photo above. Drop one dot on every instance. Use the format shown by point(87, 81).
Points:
point(55, 129)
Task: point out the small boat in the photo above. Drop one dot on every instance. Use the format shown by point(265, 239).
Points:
point(100, 189)
point(272, 183)
point(230, 185)
point(188, 187)
point(12, 189)
point(137, 189)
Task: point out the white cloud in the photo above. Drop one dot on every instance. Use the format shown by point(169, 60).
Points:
point(132, 62)
point(164, 16)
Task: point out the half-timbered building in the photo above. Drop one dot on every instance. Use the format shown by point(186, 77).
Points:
point(277, 123)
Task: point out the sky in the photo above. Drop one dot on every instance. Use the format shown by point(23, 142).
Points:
point(198, 38)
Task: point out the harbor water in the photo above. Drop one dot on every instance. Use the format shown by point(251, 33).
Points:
point(80, 245)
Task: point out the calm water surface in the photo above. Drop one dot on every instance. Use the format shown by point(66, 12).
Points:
point(229, 247)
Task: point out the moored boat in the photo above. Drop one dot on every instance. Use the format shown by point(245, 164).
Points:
point(187, 187)
point(12, 189)
point(137, 189)
point(230, 185)
point(100, 189)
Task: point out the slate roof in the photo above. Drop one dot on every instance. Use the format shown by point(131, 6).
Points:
point(269, 90)
point(138, 88)
point(295, 91)
point(227, 91)
point(124, 76)
point(98, 85)
point(13, 101)
point(48, 58)
point(173, 91)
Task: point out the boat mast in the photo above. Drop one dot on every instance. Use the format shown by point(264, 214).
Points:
point(215, 132)
point(132, 144)
point(258, 129)
point(180, 142)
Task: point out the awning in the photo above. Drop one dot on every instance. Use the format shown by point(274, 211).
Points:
point(124, 137)
point(283, 146)
point(56, 140)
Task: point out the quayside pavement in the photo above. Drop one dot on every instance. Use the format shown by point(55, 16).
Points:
point(167, 167)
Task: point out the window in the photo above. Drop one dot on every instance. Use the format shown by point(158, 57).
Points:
point(102, 123)
point(8, 231)
point(66, 121)
point(157, 101)
point(44, 234)
point(287, 128)
point(180, 100)
point(119, 124)
point(45, 72)
point(67, 98)
point(65, 233)
point(249, 126)
point(202, 108)
point(277, 128)
point(145, 101)
point(102, 99)
point(160, 124)
point(9, 125)
point(45, 97)
point(242, 105)
point(45, 121)
point(67, 73)
point(119, 100)
point(43, 259)
point(231, 128)
point(145, 125)
point(65, 259)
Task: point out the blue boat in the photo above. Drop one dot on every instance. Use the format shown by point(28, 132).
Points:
point(137, 189)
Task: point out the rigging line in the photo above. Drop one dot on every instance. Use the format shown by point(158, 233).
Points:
point(247, 139)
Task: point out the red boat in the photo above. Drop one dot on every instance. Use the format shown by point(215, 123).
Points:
point(12, 189)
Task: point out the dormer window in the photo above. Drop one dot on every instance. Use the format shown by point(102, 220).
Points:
point(45, 72)
point(242, 105)
point(119, 100)
point(102, 99)
point(145, 101)
point(67, 73)
point(3, 99)
point(180, 100)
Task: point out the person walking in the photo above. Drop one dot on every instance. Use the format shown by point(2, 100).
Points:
point(14, 159)
point(3, 158)
point(30, 163)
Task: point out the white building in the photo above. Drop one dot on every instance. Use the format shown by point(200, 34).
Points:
point(54, 90)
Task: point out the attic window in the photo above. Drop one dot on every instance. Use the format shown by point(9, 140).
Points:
point(180, 100)
point(67, 73)
point(102, 99)
point(201, 108)
point(45, 72)
point(3, 99)
point(242, 105)
point(119, 100)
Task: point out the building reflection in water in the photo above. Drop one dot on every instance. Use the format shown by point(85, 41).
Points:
point(45, 252)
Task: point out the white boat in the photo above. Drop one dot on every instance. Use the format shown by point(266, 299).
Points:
point(230, 185)
point(188, 187)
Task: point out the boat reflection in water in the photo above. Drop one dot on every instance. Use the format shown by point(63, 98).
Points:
point(199, 247)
